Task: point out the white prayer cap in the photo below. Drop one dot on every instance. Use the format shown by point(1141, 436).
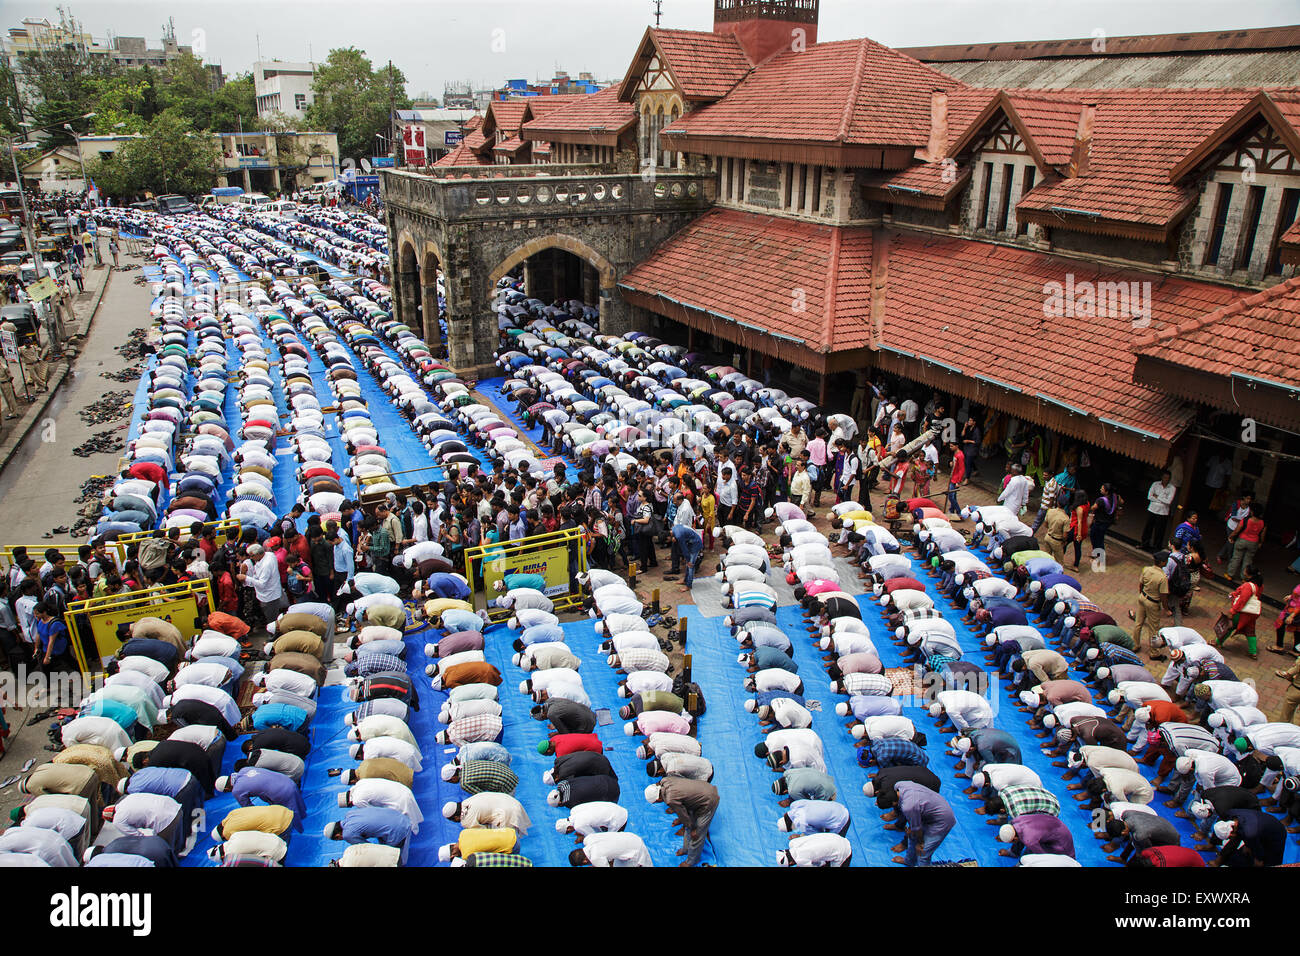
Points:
point(652, 793)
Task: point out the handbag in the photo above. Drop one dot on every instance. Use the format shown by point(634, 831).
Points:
point(1222, 627)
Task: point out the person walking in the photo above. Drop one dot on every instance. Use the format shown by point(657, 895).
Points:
point(1246, 541)
point(1104, 512)
point(113, 250)
point(1245, 608)
point(35, 368)
point(77, 275)
point(1238, 513)
point(1080, 511)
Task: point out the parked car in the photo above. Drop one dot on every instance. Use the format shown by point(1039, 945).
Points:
point(175, 205)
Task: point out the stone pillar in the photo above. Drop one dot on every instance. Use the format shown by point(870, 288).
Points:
point(995, 198)
point(528, 277)
point(248, 181)
point(406, 293)
point(1269, 210)
point(590, 283)
point(1232, 227)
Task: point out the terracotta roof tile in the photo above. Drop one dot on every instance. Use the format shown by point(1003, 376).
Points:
point(768, 273)
point(980, 308)
point(506, 115)
point(1052, 124)
point(706, 65)
point(462, 155)
point(855, 92)
point(512, 145)
point(1259, 334)
point(968, 305)
point(599, 109)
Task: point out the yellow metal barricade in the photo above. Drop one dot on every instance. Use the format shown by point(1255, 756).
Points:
point(93, 625)
point(545, 554)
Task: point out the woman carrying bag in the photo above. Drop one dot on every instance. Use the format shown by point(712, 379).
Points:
point(1242, 613)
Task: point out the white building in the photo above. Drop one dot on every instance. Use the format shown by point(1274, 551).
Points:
point(283, 87)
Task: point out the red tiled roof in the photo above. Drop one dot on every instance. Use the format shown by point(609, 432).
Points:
point(779, 276)
point(1292, 236)
point(474, 122)
point(1257, 335)
point(1052, 124)
point(462, 155)
point(505, 115)
point(927, 179)
point(972, 307)
point(854, 92)
point(980, 308)
point(706, 65)
point(512, 145)
point(537, 105)
point(594, 110)
point(476, 141)
point(1138, 138)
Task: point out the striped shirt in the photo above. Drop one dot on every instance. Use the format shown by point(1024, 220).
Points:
point(478, 776)
point(1114, 654)
point(1020, 800)
point(1180, 738)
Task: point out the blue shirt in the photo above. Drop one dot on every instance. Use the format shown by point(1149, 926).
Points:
point(116, 711)
point(541, 634)
point(485, 750)
point(271, 786)
point(161, 651)
point(174, 782)
point(394, 648)
point(535, 581)
point(280, 715)
point(52, 631)
point(863, 707)
point(446, 585)
point(379, 825)
point(457, 620)
point(344, 561)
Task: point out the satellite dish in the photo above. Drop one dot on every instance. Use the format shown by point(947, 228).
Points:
point(365, 166)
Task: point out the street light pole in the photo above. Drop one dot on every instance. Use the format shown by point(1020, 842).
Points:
point(85, 182)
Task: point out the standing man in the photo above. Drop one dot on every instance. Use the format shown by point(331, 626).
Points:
point(1153, 591)
point(264, 579)
point(34, 366)
point(1056, 526)
point(1160, 496)
point(956, 475)
point(7, 389)
point(817, 465)
point(929, 819)
point(694, 802)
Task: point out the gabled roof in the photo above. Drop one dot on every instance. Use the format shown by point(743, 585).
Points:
point(512, 145)
point(505, 115)
point(1047, 126)
point(540, 105)
point(462, 155)
point(704, 66)
point(846, 93)
point(1289, 244)
point(594, 116)
point(1138, 137)
point(1280, 109)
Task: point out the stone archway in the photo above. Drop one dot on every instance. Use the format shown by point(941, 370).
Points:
point(431, 263)
point(406, 275)
point(608, 275)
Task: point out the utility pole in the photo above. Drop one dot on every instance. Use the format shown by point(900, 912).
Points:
point(391, 103)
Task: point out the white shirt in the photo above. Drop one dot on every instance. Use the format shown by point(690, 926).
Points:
point(726, 492)
point(66, 823)
point(616, 849)
point(145, 814)
point(267, 846)
point(1160, 496)
point(265, 579)
point(46, 845)
point(1016, 494)
point(909, 410)
point(599, 816)
point(378, 792)
point(24, 608)
point(685, 514)
point(790, 713)
point(819, 849)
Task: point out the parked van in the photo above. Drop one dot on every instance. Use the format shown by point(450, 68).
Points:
point(283, 208)
point(254, 200)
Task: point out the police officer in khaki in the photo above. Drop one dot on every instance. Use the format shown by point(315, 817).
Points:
point(7, 389)
point(1153, 591)
point(34, 365)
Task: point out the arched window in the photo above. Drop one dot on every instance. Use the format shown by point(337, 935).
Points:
point(670, 158)
point(645, 133)
point(659, 125)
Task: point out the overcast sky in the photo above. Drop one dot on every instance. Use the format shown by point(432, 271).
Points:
point(434, 41)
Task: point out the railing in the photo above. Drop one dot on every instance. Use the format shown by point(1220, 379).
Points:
point(95, 625)
point(547, 555)
point(556, 194)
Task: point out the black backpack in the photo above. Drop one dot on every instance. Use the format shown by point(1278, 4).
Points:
point(1180, 582)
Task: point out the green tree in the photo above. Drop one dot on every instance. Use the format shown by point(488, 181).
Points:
point(293, 155)
point(354, 101)
point(63, 78)
point(121, 103)
point(9, 105)
point(233, 103)
point(171, 157)
point(110, 175)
